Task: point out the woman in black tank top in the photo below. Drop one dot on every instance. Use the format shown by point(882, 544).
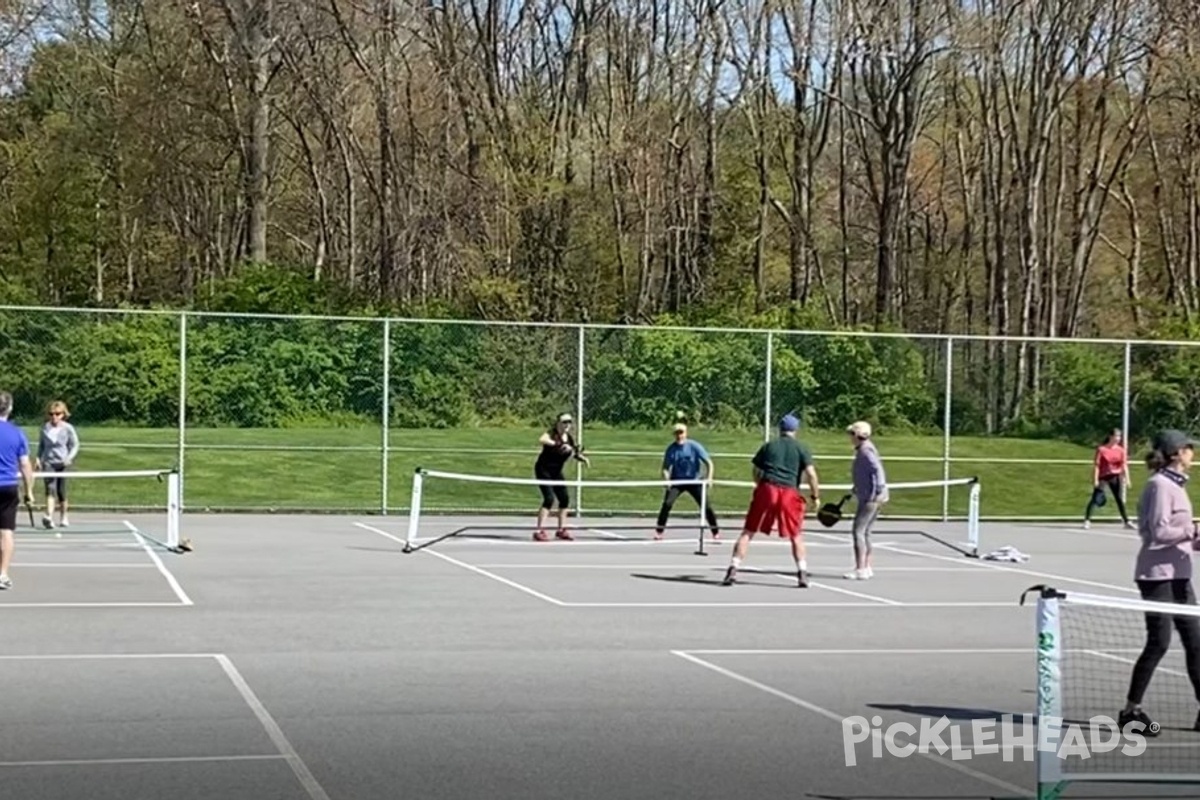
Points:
point(558, 447)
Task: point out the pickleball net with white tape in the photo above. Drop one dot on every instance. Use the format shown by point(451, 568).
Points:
point(457, 506)
point(106, 504)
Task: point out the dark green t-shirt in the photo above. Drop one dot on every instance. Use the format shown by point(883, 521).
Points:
point(782, 461)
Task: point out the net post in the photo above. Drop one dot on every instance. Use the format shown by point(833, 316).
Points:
point(174, 503)
point(1049, 694)
point(946, 421)
point(973, 518)
point(770, 365)
point(182, 433)
point(414, 510)
point(386, 411)
point(1125, 410)
point(579, 372)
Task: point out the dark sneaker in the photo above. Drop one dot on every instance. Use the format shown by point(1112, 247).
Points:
point(730, 577)
point(565, 535)
point(540, 536)
point(802, 579)
point(1144, 725)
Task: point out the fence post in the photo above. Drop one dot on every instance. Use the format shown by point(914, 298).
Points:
point(946, 421)
point(767, 399)
point(182, 435)
point(386, 410)
point(580, 365)
point(1125, 404)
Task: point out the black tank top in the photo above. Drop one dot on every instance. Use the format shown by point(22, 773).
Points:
point(552, 459)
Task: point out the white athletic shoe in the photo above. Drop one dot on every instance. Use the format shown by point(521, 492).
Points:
point(1087, 525)
point(5, 582)
point(870, 572)
point(64, 521)
point(857, 575)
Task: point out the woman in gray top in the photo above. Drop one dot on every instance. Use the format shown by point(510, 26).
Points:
point(1164, 569)
point(58, 447)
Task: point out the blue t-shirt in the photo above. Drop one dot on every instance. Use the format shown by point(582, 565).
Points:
point(684, 460)
point(13, 445)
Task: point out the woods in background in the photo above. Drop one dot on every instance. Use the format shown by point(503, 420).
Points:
point(1002, 166)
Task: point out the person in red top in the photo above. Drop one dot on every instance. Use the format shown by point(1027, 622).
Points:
point(1110, 469)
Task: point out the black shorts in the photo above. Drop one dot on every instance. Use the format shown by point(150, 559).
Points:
point(56, 486)
point(552, 493)
point(10, 503)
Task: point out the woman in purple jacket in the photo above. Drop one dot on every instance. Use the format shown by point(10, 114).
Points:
point(1164, 568)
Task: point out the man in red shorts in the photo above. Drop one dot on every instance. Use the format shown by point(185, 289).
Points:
point(778, 465)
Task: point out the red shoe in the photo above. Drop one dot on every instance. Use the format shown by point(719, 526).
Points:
point(565, 535)
point(541, 536)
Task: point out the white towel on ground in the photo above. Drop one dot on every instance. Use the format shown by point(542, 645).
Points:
point(1007, 553)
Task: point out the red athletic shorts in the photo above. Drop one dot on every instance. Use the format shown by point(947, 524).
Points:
point(774, 505)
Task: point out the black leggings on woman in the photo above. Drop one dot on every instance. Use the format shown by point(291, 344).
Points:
point(1114, 485)
point(1158, 635)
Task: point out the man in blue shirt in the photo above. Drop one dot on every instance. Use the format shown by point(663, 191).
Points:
point(682, 462)
point(14, 465)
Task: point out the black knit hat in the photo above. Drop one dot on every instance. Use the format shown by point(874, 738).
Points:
point(1170, 442)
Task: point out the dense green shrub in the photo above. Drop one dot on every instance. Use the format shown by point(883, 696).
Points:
point(124, 369)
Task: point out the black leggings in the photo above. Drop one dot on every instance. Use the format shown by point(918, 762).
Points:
point(552, 493)
point(673, 494)
point(1114, 485)
point(1158, 635)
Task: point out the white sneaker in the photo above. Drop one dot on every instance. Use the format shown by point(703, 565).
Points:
point(1087, 525)
point(5, 582)
point(857, 575)
point(870, 572)
point(64, 521)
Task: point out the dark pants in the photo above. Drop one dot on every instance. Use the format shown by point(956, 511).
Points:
point(56, 487)
point(1114, 485)
point(1158, 635)
point(673, 494)
point(552, 493)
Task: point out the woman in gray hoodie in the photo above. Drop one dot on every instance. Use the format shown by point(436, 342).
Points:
point(1164, 569)
point(58, 447)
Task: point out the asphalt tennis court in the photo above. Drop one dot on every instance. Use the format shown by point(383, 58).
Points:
point(310, 658)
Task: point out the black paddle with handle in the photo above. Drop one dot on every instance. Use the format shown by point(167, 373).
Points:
point(831, 513)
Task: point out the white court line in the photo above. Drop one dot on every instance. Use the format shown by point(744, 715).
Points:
point(132, 604)
point(903, 651)
point(98, 762)
point(876, 598)
point(735, 604)
point(1108, 654)
point(184, 600)
point(103, 656)
point(74, 565)
point(311, 786)
point(471, 567)
point(976, 565)
point(691, 566)
point(609, 534)
point(833, 717)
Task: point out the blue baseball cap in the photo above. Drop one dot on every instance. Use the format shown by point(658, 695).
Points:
point(789, 424)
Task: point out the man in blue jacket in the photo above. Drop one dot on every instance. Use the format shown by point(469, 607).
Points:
point(683, 461)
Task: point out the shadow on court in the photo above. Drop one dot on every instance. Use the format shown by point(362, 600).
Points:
point(703, 580)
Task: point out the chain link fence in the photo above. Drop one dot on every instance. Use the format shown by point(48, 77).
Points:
point(331, 414)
